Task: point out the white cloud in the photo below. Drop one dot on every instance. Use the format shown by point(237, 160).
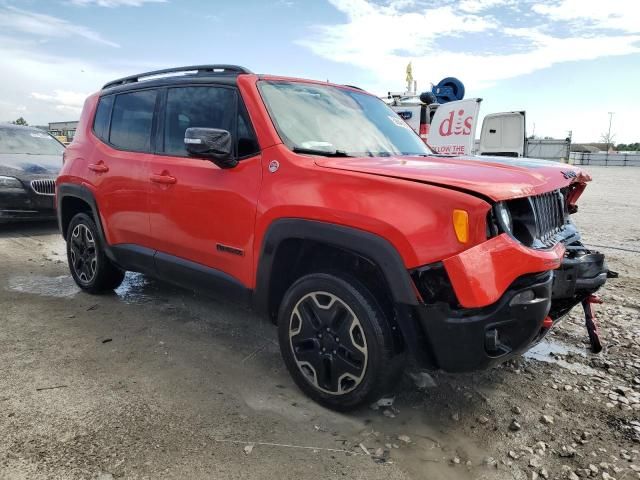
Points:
point(374, 30)
point(113, 3)
point(63, 100)
point(46, 26)
point(43, 87)
point(475, 6)
point(384, 38)
point(611, 14)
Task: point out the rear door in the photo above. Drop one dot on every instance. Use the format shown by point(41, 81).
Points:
point(202, 213)
point(118, 167)
point(503, 134)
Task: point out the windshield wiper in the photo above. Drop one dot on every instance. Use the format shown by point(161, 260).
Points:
point(324, 153)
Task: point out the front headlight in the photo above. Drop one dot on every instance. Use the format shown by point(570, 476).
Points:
point(517, 218)
point(504, 217)
point(10, 183)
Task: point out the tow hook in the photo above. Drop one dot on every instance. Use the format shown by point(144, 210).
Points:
point(591, 323)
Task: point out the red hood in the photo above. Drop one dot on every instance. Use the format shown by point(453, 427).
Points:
point(498, 178)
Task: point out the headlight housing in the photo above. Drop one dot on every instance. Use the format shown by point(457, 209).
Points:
point(517, 218)
point(10, 183)
point(503, 216)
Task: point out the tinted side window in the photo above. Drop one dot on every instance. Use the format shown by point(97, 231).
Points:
point(205, 107)
point(103, 115)
point(247, 143)
point(132, 120)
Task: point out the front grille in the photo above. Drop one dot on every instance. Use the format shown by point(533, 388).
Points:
point(551, 216)
point(44, 187)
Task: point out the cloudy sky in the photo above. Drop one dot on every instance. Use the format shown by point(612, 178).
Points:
point(566, 62)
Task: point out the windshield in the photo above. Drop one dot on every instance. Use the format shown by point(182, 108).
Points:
point(19, 140)
point(323, 118)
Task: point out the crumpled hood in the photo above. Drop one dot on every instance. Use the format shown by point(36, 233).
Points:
point(22, 165)
point(498, 178)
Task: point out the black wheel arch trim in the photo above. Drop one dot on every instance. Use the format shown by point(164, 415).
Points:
point(81, 192)
point(367, 244)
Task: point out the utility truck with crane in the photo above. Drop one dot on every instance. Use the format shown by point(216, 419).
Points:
point(447, 122)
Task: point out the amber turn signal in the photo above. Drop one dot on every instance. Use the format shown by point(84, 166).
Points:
point(461, 225)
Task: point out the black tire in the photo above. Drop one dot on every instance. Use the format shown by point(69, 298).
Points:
point(354, 378)
point(90, 268)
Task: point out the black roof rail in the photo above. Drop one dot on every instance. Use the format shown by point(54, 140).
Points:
point(199, 69)
point(353, 86)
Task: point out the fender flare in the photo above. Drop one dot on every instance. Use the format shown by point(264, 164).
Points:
point(369, 245)
point(83, 193)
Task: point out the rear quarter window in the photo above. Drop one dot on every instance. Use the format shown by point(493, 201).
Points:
point(132, 121)
point(103, 117)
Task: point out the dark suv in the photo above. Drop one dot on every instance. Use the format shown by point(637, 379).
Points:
point(317, 204)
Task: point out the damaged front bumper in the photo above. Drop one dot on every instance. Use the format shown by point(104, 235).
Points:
point(464, 338)
point(581, 274)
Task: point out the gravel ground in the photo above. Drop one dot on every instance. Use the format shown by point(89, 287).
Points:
point(156, 382)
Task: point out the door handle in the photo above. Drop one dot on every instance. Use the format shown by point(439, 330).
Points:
point(98, 167)
point(163, 179)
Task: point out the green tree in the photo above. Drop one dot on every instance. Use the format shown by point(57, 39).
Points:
point(20, 121)
point(629, 147)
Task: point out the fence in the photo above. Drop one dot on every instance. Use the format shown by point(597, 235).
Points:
point(606, 159)
point(548, 149)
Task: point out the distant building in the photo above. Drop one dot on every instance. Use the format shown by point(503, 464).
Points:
point(64, 131)
point(589, 147)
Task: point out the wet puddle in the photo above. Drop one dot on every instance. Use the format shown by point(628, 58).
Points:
point(62, 286)
point(133, 288)
point(553, 351)
point(138, 288)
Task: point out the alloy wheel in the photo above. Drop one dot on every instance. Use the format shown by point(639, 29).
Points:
point(84, 257)
point(328, 343)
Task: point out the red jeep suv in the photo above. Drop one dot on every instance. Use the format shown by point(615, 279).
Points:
point(318, 205)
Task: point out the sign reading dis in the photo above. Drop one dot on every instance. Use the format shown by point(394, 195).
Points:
point(457, 123)
point(453, 127)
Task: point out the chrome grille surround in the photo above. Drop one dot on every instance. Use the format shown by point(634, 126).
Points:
point(44, 187)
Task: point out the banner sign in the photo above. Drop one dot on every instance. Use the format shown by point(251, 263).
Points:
point(453, 128)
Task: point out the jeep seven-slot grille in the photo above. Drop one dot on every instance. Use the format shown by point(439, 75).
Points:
point(44, 187)
point(551, 216)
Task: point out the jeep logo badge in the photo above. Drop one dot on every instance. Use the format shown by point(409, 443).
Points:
point(274, 165)
point(569, 174)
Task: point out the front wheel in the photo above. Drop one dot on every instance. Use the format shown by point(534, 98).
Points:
point(89, 266)
point(336, 341)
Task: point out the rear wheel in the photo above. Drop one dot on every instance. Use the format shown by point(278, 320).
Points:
point(336, 342)
point(89, 266)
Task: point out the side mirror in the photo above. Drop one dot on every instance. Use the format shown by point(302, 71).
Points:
point(212, 143)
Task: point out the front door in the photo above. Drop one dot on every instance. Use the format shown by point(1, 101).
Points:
point(198, 211)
